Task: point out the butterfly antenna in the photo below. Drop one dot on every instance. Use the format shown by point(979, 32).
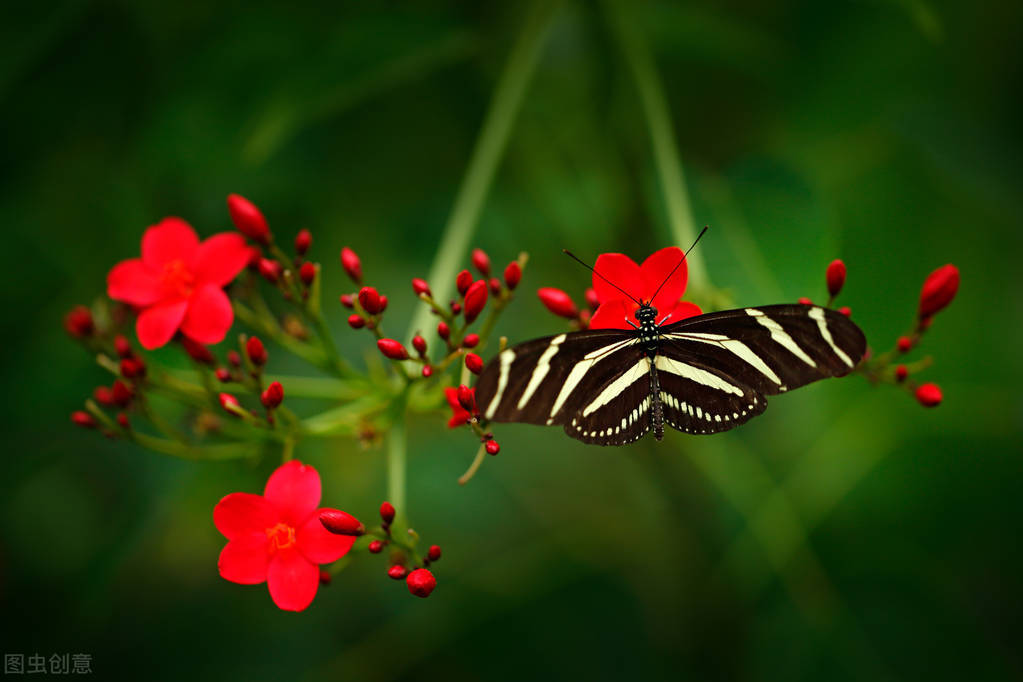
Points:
point(589, 267)
point(683, 260)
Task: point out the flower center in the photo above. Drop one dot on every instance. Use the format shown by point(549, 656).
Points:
point(281, 537)
point(177, 279)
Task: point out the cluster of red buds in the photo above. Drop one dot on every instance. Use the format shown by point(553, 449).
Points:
point(455, 336)
point(938, 290)
point(404, 562)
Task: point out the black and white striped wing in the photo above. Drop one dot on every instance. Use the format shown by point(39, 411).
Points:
point(771, 349)
point(553, 380)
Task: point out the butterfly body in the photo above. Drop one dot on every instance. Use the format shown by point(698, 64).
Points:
point(701, 375)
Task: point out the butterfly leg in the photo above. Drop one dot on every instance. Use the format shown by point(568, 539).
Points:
point(656, 409)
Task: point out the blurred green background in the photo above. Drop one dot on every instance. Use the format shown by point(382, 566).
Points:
point(848, 534)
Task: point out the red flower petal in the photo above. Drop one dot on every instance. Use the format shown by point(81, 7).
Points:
point(292, 580)
point(132, 282)
point(220, 258)
point(318, 544)
point(294, 489)
point(621, 270)
point(655, 271)
point(241, 514)
point(614, 314)
point(171, 239)
point(157, 324)
point(679, 311)
point(459, 415)
point(245, 560)
point(209, 315)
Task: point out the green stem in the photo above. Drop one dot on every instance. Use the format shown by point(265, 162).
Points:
point(396, 465)
point(489, 149)
point(474, 467)
point(662, 137)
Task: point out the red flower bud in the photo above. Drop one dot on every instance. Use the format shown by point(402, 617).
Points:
point(347, 300)
point(383, 303)
point(904, 344)
point(234, 358)
point(387, 512)
point(341, 523)
point(223, 375)
point(369, 299)
point(492, 447)
point(512, 275)
point(256, 351)
point(434, 553)
point(248, 219)
point(463, 281)
point(122, 421)
point(803, 300)
point(421, 287)
point(929, 395)
point(197, 351)
point(83, 419)
point(481, 261)
point(228, 402)
point(103, 395)
point(835, 276)
point(419, 343)
point(901, 373)
point(471, 341)
point(939, 289)
point(121, 393)
point(495, 286)
point(397, 572)
point(475, 299)
point(325, 577)
point(591, 299)
point(443, 330)
point(122, 346)
point(132, 368)
point(355, 321)
point(558, 302)
point(392, 349)
point(473, 363)
point(78, 322)
point(303, 240)
point(421, 582)
point(427, 371)
point(272, 396)
point(376, 546)
point(270, 270)
point(307, 273)
point(352, 265)
point(456, 307)
point(584, 318)
point(467, 398)
point(845, 310)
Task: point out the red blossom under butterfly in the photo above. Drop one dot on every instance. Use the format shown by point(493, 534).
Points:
point(642, 282)
point(459, 415)
point(277, 537)
point(178, 283)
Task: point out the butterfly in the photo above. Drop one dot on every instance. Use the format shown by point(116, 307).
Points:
point(701, 375)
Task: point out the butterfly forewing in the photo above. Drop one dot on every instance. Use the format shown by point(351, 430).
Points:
point(533, 381)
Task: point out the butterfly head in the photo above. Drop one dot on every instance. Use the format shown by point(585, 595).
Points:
point(646, 314)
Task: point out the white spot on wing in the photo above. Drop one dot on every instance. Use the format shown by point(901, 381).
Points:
point(506, 357)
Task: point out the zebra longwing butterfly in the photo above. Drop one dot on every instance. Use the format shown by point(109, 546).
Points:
point(704, 374)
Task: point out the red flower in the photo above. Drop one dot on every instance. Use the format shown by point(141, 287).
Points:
point(939, 289)
point(178, 283)
point(278, 537)
point(459, 415)
point(641, 281)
